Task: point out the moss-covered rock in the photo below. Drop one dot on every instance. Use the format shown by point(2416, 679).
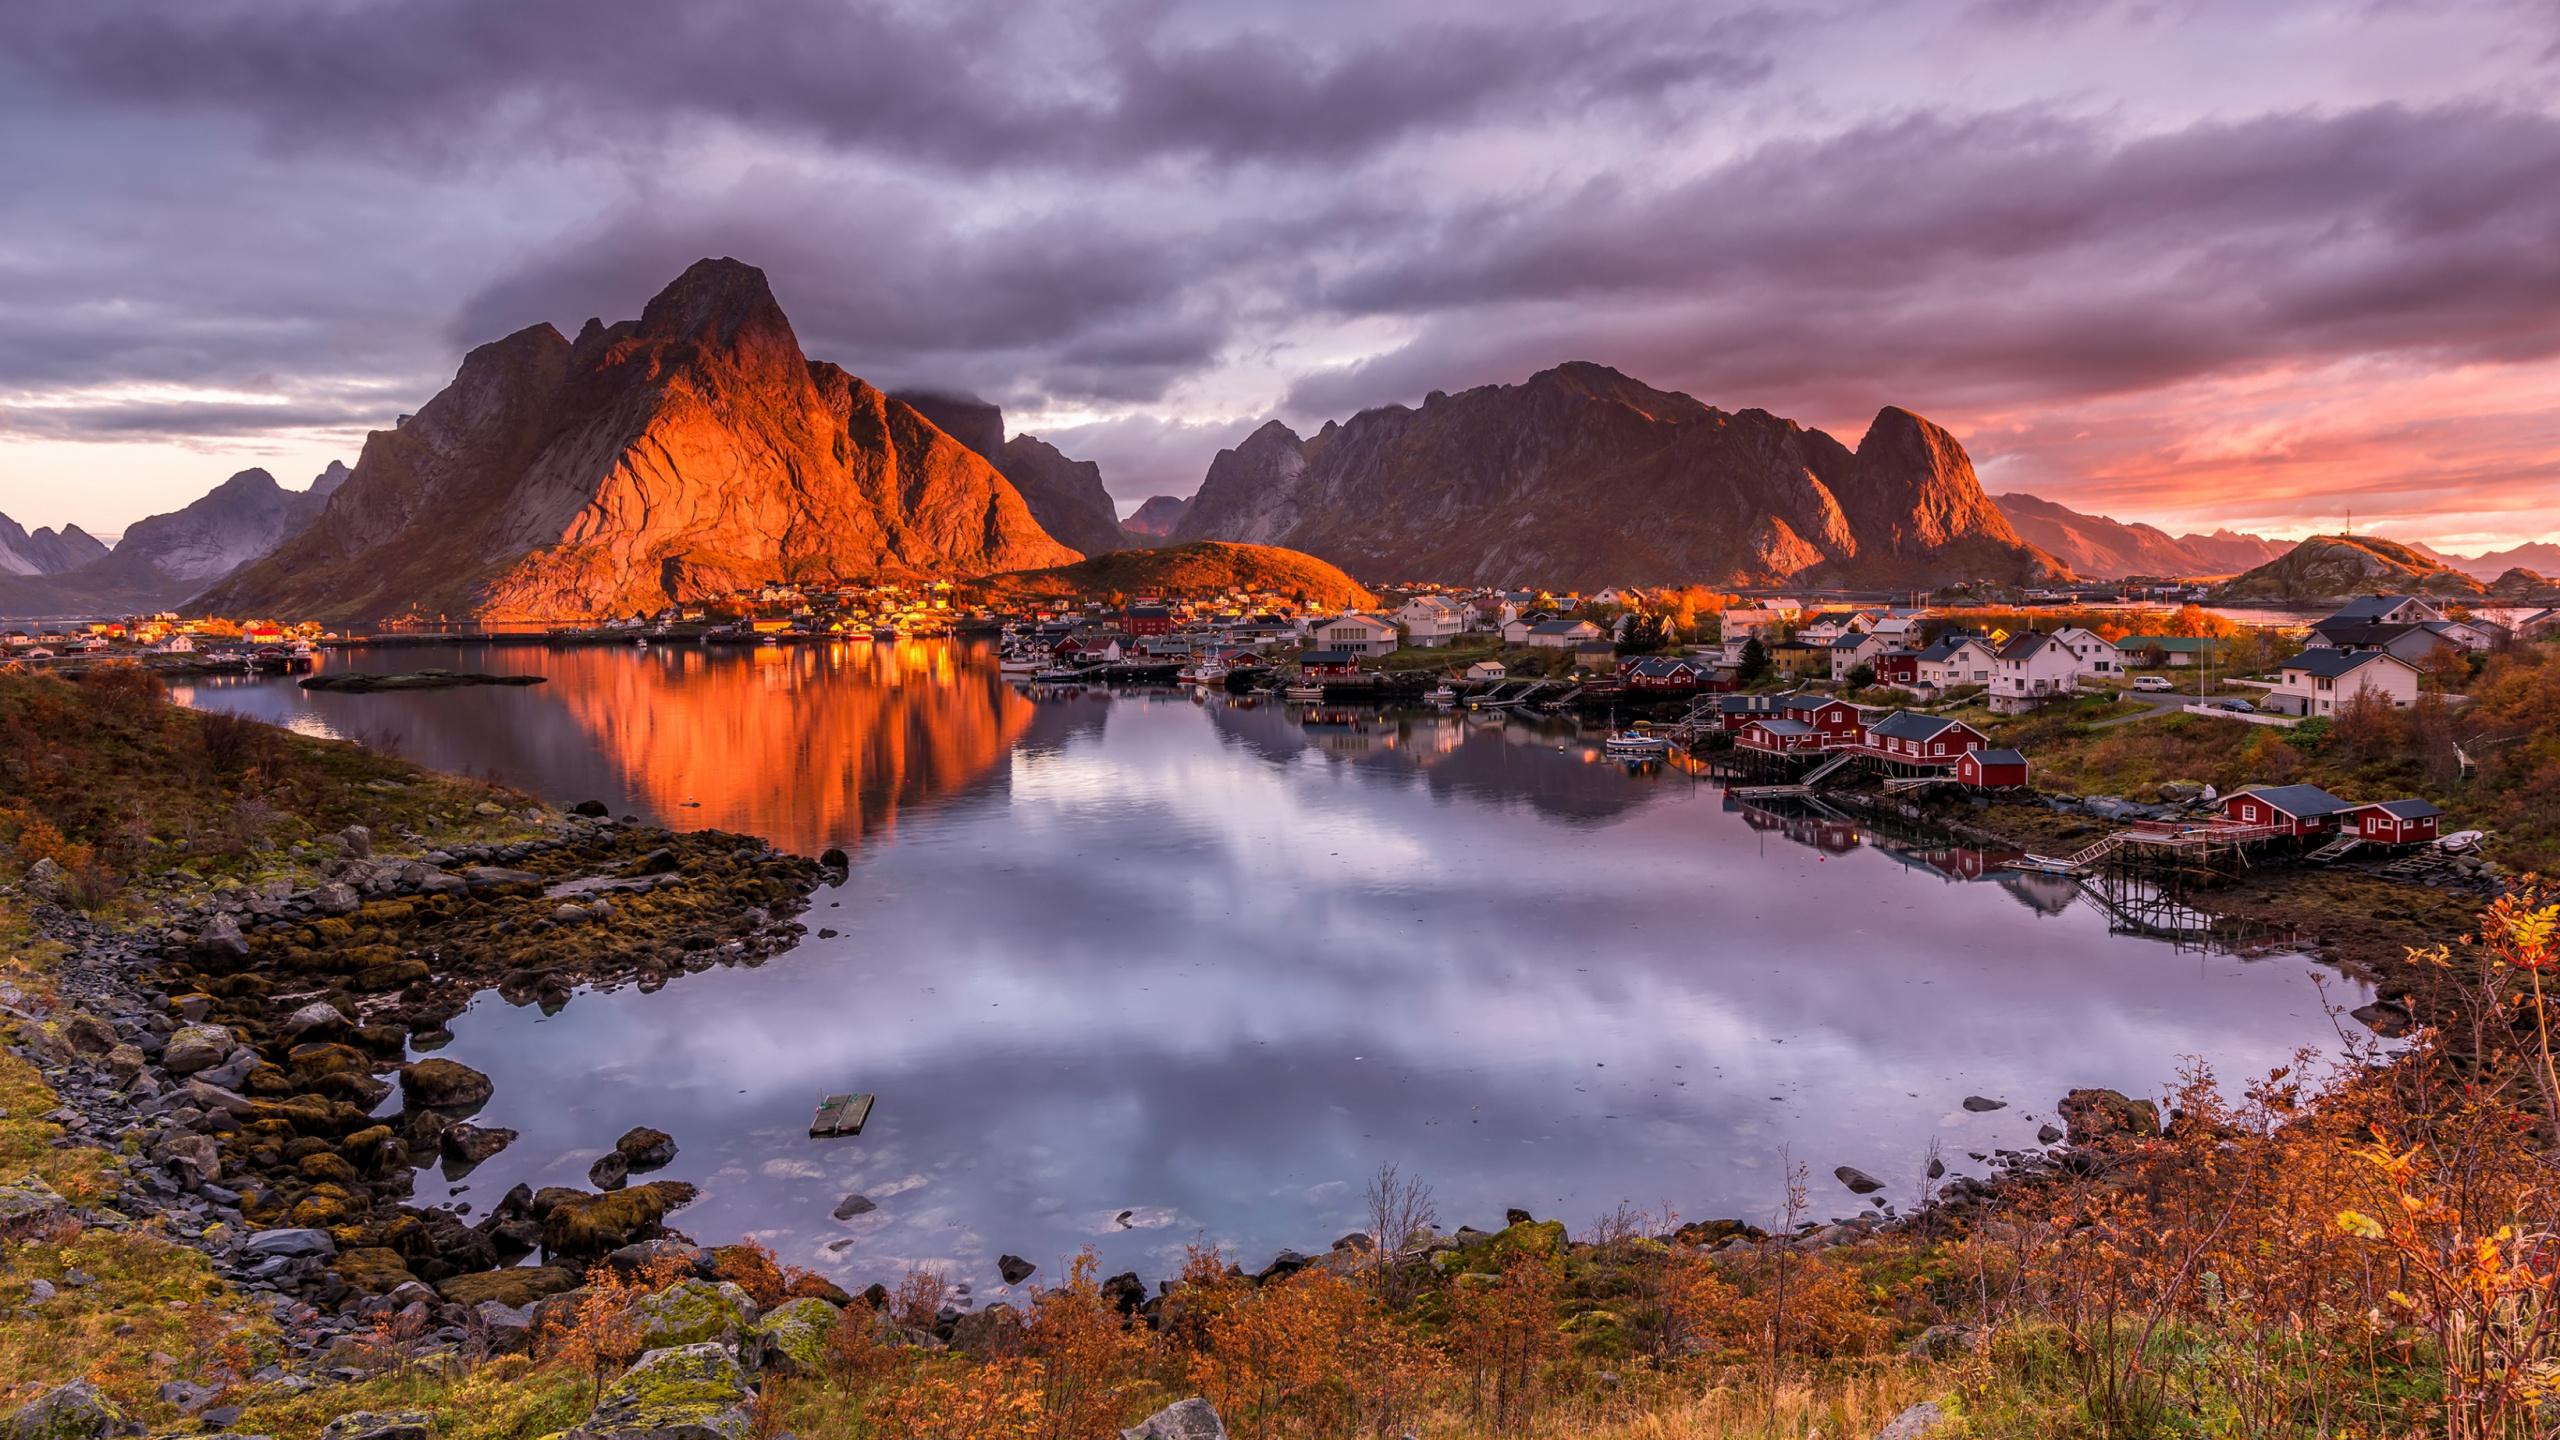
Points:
point(794, 1335)
point(67, 1412)
point(692, 1312)
point(373, 1269)
point(692, 1392)
point(515, 1287)
point(591, 1225)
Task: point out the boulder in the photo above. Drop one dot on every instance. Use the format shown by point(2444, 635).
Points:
point(1015, 1269)
point(692, 1392)
point(509, 1327)
point(197, 1047)
point(376, 1424)
point(89, 1035)
point(646, 1149)
point(692, 1312)
point(27, 1202)
point(610, 1172)
point(126, 1061)
point(358, 840)
point(209, 1097)
point(1980, 1104)
point(853, 1205)
point(318, 1015)
point(471, 1144)
point(988, 1334)
point(443, 1084)
point(794, 1335)
point(75, 1411)
point(512, 1288)
point(1858, 1181)
point(492, 877)
point(220, 939)
point(1192, 1419)
point(47, 878)
point(373, 1269)
point(335, 898)
point(819, 1287)
point(2047, 1134)
point(591, 1225)
point(194, 1159)
point(649, 1254)
point(187, 1395)
point(291, 1242)
point(2099, 1117)
point(1922, 1419)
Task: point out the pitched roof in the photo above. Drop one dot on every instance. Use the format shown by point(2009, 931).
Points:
point(1946, 647)
point(1910, 725)
point(1997, 757)
point(2302, 802)
point(1850, 640)
point(2403, 809)
point(1558, 627)
point(1329, 657)
point(2329, 664)
point(1781, 726)
point(2022, 646)
point(2369, 607)
point(2172, 644)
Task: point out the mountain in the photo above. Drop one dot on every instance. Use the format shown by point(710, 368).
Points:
point(161, 561)
point(2540, 556)
point(2106, 549)
point(2337, 567)
point(1199, 569)
point(668, 459)
point(1065, 496)
point(45, 552)
point(1160, 516)
point(1583, 477)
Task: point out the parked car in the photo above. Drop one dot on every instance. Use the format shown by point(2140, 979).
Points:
point(2237, 707)
point(2152, 682)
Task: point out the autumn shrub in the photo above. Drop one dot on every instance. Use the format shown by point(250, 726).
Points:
point(917, 1302)
point(1088, 1362)
point(1502, 1335)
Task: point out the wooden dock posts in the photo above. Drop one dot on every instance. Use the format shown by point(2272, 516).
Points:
point(840, 1115)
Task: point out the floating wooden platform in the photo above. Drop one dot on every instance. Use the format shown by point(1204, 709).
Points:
point(840, 1115)
point(1767, 792)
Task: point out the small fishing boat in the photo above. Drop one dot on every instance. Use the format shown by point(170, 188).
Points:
point(885, 632)
point(1444, 697)
point(1302, 692)
point(1637, 744)
point(1019, 664)
point(1059, 675)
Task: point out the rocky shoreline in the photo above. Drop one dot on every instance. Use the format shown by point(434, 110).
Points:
point(234, 1062)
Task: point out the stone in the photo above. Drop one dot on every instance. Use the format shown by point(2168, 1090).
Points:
point(377, 1425)
point(1979, 1104)
point(1858, 1181)
point(443, 1084)
point(580, 1224)
point(208, 1097)
point(318, 1015)
point(197, 1047)
point(2099, 1117)
point(1014, 1268)
point(853, 1205)
point(290, 1243)
point(646, 1149)
point(689, 1392)
point(220, 939)
point(610, 1172)
point(595, 808)
point(2046, 1135)
point(1922, 1419)
point(46, 877)
point(988, 1334)
point(509, 1327)
point(794, 1334)
point(491, 877)
point(237, 1068)
point(75, 1411)
point(126, 1061)
point(89, 1035)
point(187, 1395)
point(468, 1144)
point(1192, 1419)
point(632, 1259)
point(373, 1269)
point(27, 1202)
point(513, 1288)
point(691, 1312)
point(195, 1159)
point(359, 841)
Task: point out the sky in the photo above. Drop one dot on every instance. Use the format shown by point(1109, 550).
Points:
point(2261, 266)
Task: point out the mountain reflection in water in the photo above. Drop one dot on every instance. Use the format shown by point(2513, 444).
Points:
point(1133, 969)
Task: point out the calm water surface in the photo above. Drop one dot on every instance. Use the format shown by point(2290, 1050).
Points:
point(1130, 971)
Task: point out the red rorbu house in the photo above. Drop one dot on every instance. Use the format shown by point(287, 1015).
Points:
point(2289, 809)
point(1896, 667)
point(2392, 822)
point(1657, 672)
point(1778, 735)
point(1147, 620)
point(1991, 769)
point(1328, 664)
point(1906, 738)
point(1835, 720)
point(1736, 711)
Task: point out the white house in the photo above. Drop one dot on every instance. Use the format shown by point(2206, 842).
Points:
point(1355, 633)
point(1851, 649)
point(1743, 624)
point(2030, 670)
point(2318, 682)
point(1430, 620)
point(2095, 654)
point(1488, 670)
point(1552, 634)
point(1956, 660)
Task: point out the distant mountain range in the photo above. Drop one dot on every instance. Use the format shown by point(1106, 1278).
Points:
point(1159, 517)
point(162, 561)
point(687, 454)
point(1065, 496)
point(2098, 548)
point(1583, 477)
point(2333, 567)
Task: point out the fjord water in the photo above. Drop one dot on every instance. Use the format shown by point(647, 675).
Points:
point(1135, 970)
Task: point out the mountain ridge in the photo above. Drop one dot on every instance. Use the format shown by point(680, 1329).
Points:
point(2100, 547)
point(683, 455)
point(1583, 476)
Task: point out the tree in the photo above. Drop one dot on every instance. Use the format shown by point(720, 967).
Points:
point(1860, 677)
point(1755, 662)
point(1644, 635)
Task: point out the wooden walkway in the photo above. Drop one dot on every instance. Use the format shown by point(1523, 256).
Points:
point(2200, 842)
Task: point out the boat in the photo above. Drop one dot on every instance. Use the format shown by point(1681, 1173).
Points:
point(885, 632)
point(1444, 697)
point(1303, 692)
point(1019, 665)
point(1635, 745)
point(1059, 675)
point(640, 640)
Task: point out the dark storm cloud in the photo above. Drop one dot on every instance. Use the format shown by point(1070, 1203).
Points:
point(967, 84)
point(2010, 255)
